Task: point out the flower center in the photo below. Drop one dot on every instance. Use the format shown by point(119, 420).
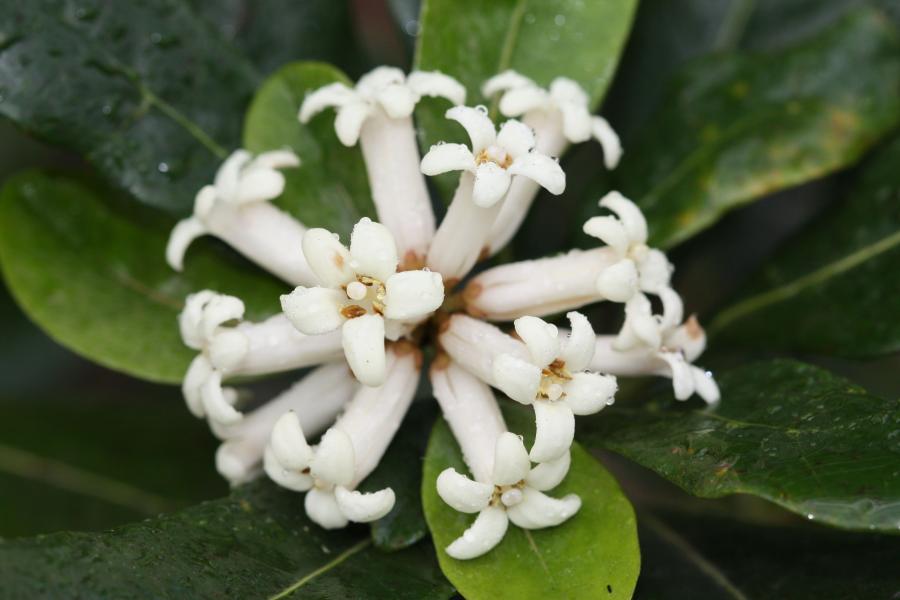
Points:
point(508, 495)
point(494, 154)
point(553, 380)
point(367, 294)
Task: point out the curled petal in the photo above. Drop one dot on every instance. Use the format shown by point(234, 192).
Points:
point(517, 102)
point(373, 250)
point(461, 493)
point(565, 90)
point(610, 231)
point(537, 510)
point(673, 309)
point(641, 323)
point(334, 459)
point(322, 507)
point(397, 100)
point(184, 233)
point(476, 123)
point(276, 159)
point(197, 374)
point(682, 376)
point(216, 403)
point(630, 215)
point(413, 294)
point(228, 348)
point(363, 341)
point(541, 339)
point(618, 282)
point(588, 393)
point(609, 141)
point(292, 480)
point(655, 271)
point(442, 158)
point(379, 78)
point(258, 185)
point(362, 507)
point(190, 319)
point(705, 386)
point(555, 430)
point(507, 80)
point(516, 138)
point(578, 349)
point(481, 537)
point(234, 465)
point(227, 177)
point(550, 474)
point(576, 122)
point(349, 121)
point(219, 310)
point(314, 311)
point(288, 443)
point(511, 464)
point(517, 378)
point(435, 83)
point(327, 257)
point(491, 184)
point(541, 169)
point(334, 94)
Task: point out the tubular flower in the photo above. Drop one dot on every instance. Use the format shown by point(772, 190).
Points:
point(559, 116)
point(505, 486)
point(488, 169)
point(378, 114)
point(271, 346)
point(236, 209)
point(362, 294)
point(349, 451)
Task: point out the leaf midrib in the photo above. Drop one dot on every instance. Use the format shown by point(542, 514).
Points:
point(358, 547)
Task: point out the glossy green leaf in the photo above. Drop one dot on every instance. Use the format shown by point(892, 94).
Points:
point(593, 555)
point(98, 283)
point(330, 189)
point(742, 126)
point(146, 90)
point(792, 433)
point(257, 543)
point(473, 41)
point(834, 289)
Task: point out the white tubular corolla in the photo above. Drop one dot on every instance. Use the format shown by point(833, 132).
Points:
point(363, 295)
point(474, 345)
point(349, 451)
point(236, 210)
point(316, 400)
point(559, 116)
point(377, 112)
point(492, 163)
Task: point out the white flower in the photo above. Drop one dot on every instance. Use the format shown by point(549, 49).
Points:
point(494, 158)
point(362, 294)
point(236, 209)
point(514, 493)
point(384, 89)
point(554, 381)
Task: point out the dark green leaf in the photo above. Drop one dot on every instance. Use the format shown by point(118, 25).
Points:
point(594, 554)
point(473, 41)
point(146, 90)
point(330, 189)
point(257, 543)
point(834, 289)
point(742, 126)
point(791, 433)
point(98, 282)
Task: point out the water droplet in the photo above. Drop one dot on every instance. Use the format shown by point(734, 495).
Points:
point(482, 109)
point(530, 18)
point(161, 167)
point(560, 20)
point(411, 27)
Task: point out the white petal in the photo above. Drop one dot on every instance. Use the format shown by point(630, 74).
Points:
point(215, 402)
point(610, 231)
point(373, 250)
point(314, 311)
point(219, 310)
point(641, 323)
point(630, 215)
point(550, 474)
point(609, 140)
point(379, 78)
point(682, 376)
point(334, 94)
point(506, 80)
point(435, 83)
point(481, 537)
point(289, 444)
point(673, 309)
point(442, 158)
point(618, 282)
point(349, 122)
point(576, 122)
point(569, 91)
point(461, 493)
point(197, 374)
point(334, 460)
point(555, 429)
point(491, 183)
point(516, 378)
point(276, 159)
point(515, 103)
point(541, 339)
point(322, 507)
point(227, 349)
point(511, 464)
point(655, 272)
point(477, 125)
point(292, 480)
point(234, 465)
point(362, 507)
point(205, 200)
point(588, 393)
point(363, 341)
point(578, 349)
point(397, 100)
point(229, 173)
point(516, 138)
point(190, 319)
point(259, 185)
point(327, 257)
point(537, 510)
point(413, 294)
point(183, 234)
point(705, 386)
point(541, 169)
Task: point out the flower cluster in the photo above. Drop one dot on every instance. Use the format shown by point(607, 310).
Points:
point(361, 314)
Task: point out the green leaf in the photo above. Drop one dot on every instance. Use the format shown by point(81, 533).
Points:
point(97, 281)
point(257, 543)
point(473, 41)
point(147, 91)
point(594, 554)
point(742, 126)
point(792, 433)
point(834, 289)
point(330, 189)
